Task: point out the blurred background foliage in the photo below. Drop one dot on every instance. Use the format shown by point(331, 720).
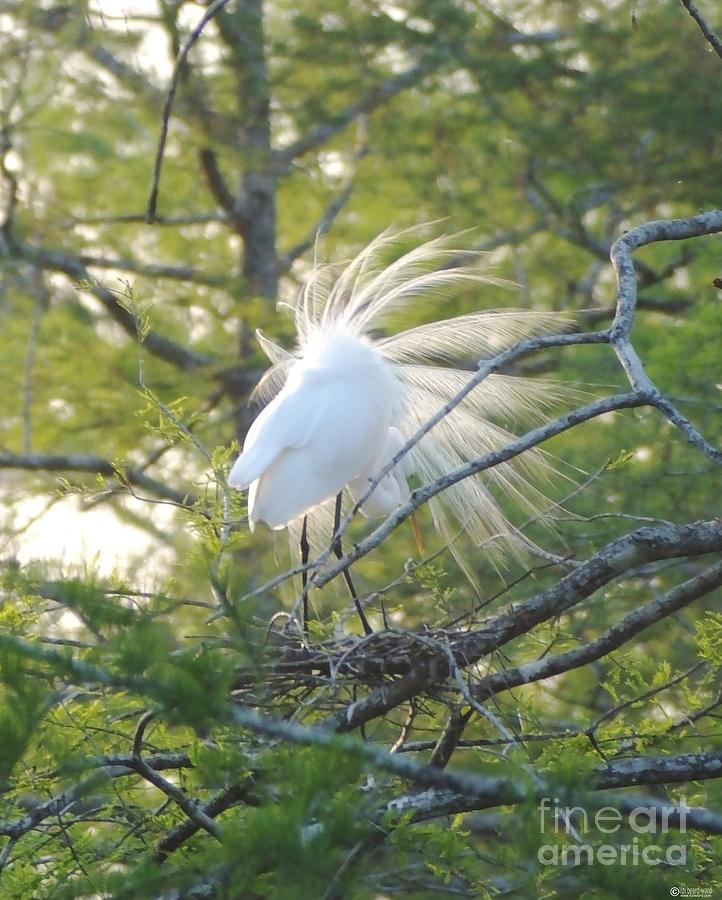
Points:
point(546, 129)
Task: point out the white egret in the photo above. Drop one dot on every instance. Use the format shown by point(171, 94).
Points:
point(345, 401)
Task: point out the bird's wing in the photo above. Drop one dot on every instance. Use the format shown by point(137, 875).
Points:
point(350, 429)
point(393, 488)
point(327, 433)
point(288, 421)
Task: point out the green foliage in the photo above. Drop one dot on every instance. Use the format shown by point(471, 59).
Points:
point(443, 850)
point(709, 638)
point(147, 596)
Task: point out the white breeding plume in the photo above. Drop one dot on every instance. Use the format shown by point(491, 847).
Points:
point(345, 400)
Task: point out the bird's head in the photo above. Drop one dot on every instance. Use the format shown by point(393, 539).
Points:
point(337, 348)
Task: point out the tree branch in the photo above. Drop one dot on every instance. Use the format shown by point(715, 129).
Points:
point(72, 266)
point(378, 95)
point(195, 813)
point(464, 792)
point(214, 7)
point(627, 627)
point(219, 187)
point(105, 767)
point(513, 448)
point(639, 547)
point(436, 803)
point(322, 225)
point(154, 270)
point(97, 465)
point(710, 36)
point(237, 793)
point(619, 333)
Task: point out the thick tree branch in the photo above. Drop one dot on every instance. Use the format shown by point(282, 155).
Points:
point(433, 804)
point(650, 233)
point(645, 545)
point(639, 547)
point(479, 792)
point(627, 627)
point(242, 30)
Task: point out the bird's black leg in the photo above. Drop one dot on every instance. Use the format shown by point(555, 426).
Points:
point(304, 574)
point(383, 615)
point(346, 574)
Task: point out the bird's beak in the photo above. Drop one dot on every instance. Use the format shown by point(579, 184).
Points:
point(417, 533)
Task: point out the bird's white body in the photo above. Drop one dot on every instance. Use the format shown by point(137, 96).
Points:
point(393, 489)
point(345, 401)
point(327, 428)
